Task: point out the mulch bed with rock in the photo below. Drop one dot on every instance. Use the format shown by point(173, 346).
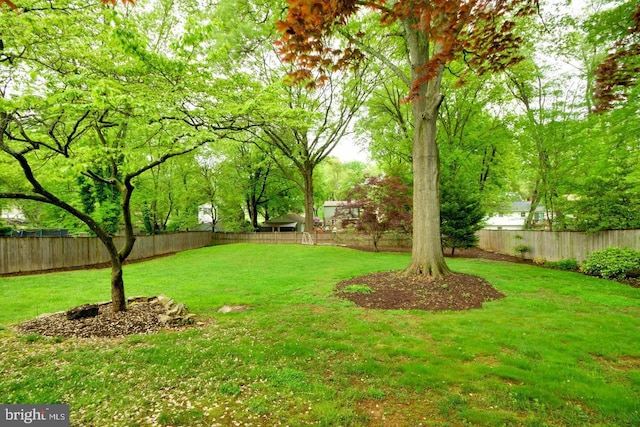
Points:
point(143, 316)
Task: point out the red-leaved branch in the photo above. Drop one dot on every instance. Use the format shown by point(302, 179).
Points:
point(480, 32)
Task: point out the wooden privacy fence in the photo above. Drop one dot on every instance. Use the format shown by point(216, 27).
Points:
point(557, 245)
point(552, 246)
point(288, 237)
point(46, 253)
point(319, 238)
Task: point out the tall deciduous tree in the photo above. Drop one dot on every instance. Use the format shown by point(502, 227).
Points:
point(480, 32)
point(305, 144)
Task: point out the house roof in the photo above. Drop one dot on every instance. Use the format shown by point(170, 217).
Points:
point(284, 220)
point(524, 206)
point(333, 203)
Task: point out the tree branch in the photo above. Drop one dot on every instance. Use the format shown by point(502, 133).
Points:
point(380, 57)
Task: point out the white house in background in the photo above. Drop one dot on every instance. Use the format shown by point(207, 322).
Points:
point(12, 216)
point(329, 213)
point(329, 209)
point(513, 218)
point(207, 214)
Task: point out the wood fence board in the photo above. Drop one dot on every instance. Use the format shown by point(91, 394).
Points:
point(556, 246)
point(25, 254)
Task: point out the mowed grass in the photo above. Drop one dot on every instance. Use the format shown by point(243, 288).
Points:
point(561, 349)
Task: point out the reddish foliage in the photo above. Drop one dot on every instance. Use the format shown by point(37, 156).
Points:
point(479, 31)
point(8, 3)
point(378, 205)
point(620, 69)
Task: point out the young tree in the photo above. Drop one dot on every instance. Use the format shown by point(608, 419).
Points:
point(68, 111)
point(479, 32)
point(380, 204)
point(461, 216)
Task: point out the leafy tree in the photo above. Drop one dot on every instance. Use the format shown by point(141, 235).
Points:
point(578, 166)
point(388, 127)
point(380, 204)
point(210, 178)
point(436, 33)
point(328, 111)
point(547, 136)
point(606, 195)
point(267, 192)
point(335, 178)
point(477, 150)
point(68, 110)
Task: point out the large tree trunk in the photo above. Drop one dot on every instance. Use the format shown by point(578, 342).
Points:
point(426, 256)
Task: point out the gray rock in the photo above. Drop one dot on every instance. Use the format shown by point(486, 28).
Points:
point(178, 310)
point(82, 311)
point(164, 319)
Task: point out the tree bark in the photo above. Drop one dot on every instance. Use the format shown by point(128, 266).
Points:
point(427, 257)
point(308, 199)
point(118, 299)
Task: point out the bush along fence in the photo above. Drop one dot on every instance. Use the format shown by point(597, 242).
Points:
point(30, 254)
point(554, 245)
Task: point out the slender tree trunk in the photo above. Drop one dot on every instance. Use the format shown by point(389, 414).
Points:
point(117, 257)
point(117, 287)
point(308, 199)
point(426, 257)
point(375, 242)
point(118, 299)
point(535, 201)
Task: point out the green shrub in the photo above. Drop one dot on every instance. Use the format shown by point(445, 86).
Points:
point(612, 263)
point(4, 230)
point(569, 264)
point(522, 249)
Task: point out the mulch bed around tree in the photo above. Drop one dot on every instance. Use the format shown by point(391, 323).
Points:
point(397, 291)
point(140, 318)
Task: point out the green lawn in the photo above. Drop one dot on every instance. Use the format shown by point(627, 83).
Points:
point(562, 349)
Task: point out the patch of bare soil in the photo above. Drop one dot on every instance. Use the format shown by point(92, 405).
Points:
point(140, 318)
point(397, 291)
